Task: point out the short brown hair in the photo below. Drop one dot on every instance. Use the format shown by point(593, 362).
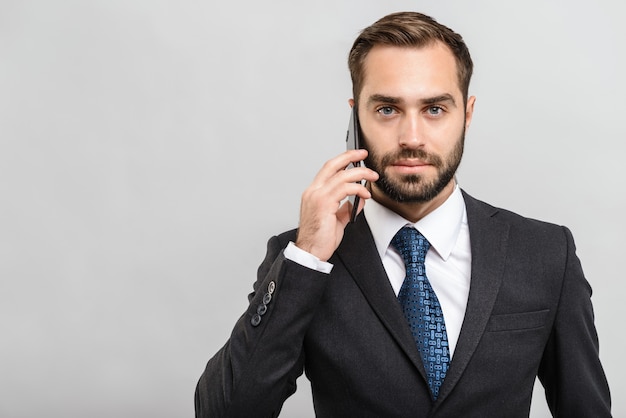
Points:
point(408, 29)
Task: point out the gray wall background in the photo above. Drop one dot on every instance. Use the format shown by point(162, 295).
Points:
point(141, 140)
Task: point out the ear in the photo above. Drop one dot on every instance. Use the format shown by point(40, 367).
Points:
point(469, 111)
point(351, 102)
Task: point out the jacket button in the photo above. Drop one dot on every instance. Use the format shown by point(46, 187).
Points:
point(271, 287)
point(256, 320)
point(267, 298)
point(261, 309)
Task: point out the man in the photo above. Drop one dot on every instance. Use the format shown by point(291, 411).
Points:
point(432, 303)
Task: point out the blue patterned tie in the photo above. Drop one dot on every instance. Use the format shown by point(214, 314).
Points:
point(421, 307)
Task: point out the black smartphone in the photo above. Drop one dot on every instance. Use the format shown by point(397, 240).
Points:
point(353, 141)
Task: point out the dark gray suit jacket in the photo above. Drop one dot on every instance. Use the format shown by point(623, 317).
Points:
point(529, 314)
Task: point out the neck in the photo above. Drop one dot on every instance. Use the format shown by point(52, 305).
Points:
point(413, 211)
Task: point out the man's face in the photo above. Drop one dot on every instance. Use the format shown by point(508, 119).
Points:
point(413, 121)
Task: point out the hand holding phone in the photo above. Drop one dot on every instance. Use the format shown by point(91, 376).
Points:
point(322, 220)
point(353, 141)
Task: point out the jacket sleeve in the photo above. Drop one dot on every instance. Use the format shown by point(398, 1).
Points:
point(570, 371)
point(256, 370)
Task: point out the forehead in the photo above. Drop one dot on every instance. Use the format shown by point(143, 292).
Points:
point(410, 72)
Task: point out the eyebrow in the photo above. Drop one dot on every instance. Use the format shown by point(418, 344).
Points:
point(381, 98)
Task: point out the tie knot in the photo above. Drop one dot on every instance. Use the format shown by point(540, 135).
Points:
point(411, 244)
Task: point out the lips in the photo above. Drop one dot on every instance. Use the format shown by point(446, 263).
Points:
point(410, 166)
point(411, 163)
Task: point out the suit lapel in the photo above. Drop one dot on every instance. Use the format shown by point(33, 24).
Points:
point(488, 240)
point(360, 257)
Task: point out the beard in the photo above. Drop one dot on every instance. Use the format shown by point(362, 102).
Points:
point(416, 188)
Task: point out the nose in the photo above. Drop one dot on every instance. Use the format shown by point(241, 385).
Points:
point(411, 134)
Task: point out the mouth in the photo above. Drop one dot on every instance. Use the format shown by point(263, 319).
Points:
point(410, 166)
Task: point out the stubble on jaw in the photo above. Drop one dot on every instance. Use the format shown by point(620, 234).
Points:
point(415, 188)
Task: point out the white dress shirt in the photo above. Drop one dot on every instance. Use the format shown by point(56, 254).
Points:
point(448, 262)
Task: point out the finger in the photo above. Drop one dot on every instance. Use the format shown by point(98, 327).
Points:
point(343, 213)
point(356, 189)
point(339, 163)
point(346, 184)
point(357, 174)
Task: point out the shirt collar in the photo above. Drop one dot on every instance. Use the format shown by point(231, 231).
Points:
point(440, 227)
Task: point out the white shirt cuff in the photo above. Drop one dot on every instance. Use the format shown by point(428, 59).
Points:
point(306, 259)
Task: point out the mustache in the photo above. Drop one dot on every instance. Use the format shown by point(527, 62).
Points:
point(418, 154)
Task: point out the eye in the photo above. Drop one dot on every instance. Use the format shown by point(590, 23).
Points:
point(386, 110)
point(434, 111)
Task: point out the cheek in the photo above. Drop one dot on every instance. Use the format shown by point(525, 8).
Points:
point(444, 128)
point(378, 141)
point(445, 136)
point(371, 137)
